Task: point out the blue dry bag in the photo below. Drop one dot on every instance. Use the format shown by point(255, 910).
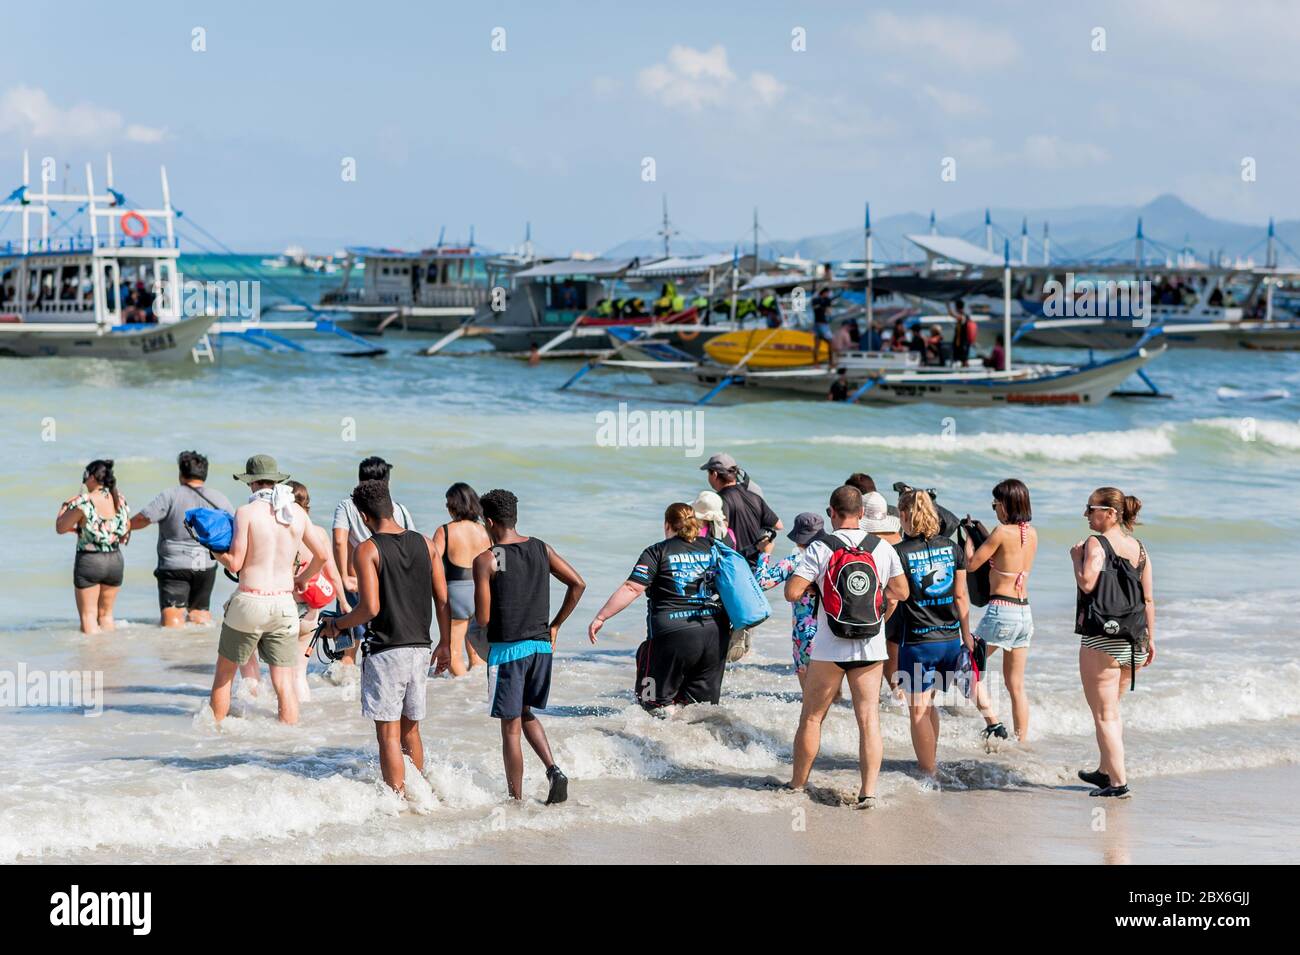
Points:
point(212, 528)
point(742, 597)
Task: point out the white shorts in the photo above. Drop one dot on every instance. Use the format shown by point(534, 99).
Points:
point(393, 684)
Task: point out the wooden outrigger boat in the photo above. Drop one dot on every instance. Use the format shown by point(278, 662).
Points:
point(897, 377)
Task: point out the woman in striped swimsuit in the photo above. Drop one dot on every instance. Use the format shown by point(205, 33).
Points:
point(1106, 662)
point(1007, 624)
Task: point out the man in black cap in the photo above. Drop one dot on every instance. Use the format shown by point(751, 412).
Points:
point(748, 516)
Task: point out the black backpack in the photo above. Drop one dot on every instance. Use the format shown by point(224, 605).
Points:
point(978, 584)
point(1117, 605)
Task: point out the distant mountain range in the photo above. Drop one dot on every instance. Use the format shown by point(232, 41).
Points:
point(1168, 223)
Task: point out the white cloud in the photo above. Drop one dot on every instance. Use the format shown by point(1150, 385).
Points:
point(766, 87)
point(1052, 152)
point(695, 79)
point(691, 78)
point(948, 41)
point(28, 113)
point(1039, 150)
point(953, 102)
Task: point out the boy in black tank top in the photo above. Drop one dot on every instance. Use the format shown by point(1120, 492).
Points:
point(399, 582)
point(512, 603)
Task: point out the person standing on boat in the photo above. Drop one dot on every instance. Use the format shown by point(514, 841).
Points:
point(964, 333)
point(1116, 618)
point(349, 531)
point(101, 520)
point(457, 543)
point(186, 571)
point(822, 303)
point(1007, 624)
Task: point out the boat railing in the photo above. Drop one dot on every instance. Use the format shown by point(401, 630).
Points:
point(85, 243)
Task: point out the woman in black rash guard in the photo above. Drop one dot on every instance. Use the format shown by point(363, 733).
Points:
point(685, 650)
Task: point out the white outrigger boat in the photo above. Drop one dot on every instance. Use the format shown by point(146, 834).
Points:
point(898, 378)
point(113, 293)
point(1050, 307)
point(434, 290)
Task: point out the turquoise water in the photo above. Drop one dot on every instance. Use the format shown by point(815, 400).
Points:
point(150, 775)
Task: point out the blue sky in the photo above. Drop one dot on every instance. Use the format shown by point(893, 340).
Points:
point(555, 128)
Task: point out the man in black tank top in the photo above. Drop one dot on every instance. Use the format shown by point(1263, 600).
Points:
point(512, 602)
point(399, 582)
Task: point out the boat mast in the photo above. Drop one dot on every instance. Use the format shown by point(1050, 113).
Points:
point(988, 230)
point(755, 239)
point(1047, 245)
point(1270, 260)
point(666, 230)
point(26, 184)
point(1006, 303)
point(1024, 240)
point(735, 278)
point(871, 312)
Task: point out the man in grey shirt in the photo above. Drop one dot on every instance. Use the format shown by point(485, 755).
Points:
point(186, 571)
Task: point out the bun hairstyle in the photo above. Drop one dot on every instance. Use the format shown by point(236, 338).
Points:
point(1126, 506)
point(681, 520)
point(102, 471)
point(920, 511)
point(300, 495)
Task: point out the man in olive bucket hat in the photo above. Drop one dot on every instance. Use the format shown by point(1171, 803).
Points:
point(262, 615)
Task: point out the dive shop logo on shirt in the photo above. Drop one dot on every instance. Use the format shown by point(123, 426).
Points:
point(74, 908)
point(651, 429)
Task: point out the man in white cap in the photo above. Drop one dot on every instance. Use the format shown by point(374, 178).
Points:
point(262, 615)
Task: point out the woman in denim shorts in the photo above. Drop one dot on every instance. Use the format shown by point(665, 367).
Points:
point(1007, 624)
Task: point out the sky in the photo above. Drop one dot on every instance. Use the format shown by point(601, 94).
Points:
point(581, 118)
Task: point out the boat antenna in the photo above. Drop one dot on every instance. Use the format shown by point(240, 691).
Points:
point(666, 230)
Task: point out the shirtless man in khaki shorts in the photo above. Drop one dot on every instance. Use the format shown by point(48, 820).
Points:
point(262, 614)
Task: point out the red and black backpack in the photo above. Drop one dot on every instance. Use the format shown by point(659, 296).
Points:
point(852, 591)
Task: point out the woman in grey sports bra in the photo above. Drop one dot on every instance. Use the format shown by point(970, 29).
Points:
point(457, 543)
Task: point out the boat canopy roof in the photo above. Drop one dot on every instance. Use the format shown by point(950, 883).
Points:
point(572, 268)
point(942, 289)
point(682, 265)
point(438, 252)
point(952, 249)
point(780, 280)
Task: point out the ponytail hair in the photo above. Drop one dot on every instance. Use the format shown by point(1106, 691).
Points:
point(300, 495)
point(681, 520)
point(101, 469)
point(919, 508)
point(1126, 506)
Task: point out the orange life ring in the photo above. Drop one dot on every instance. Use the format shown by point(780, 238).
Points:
point(689, 335)
point(136, 217)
